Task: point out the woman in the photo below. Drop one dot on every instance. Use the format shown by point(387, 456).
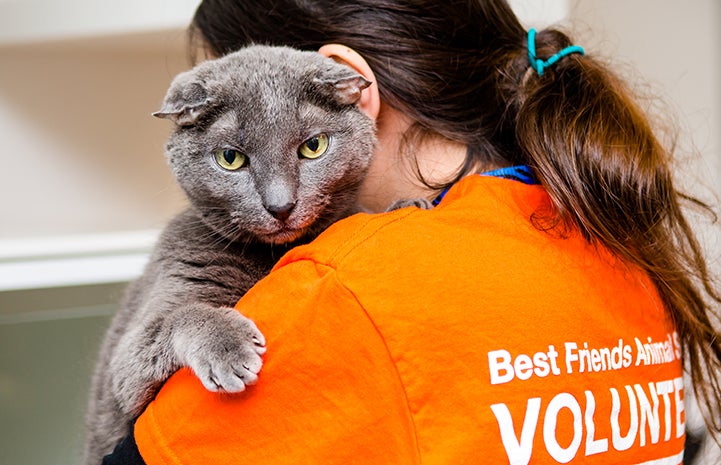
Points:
point(540, 313)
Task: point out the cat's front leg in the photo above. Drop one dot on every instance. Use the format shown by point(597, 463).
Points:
point(221, 346)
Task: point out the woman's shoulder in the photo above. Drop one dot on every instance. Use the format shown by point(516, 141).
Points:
point(356, 232)
point(476, 209)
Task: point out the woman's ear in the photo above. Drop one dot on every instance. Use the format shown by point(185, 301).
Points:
point(370, 98)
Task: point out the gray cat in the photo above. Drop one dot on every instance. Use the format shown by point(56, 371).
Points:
point(270, 149)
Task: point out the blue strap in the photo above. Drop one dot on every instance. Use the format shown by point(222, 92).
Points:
point(520, 173)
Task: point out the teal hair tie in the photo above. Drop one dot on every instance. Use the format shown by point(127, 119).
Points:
point(538, 64)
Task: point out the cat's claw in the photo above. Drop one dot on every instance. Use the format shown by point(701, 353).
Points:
point(228, 377)
point(259, 344)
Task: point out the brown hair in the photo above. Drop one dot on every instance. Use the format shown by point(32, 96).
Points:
point(459, 68)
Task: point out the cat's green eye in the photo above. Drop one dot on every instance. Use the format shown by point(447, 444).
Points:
point(230, 159)
point(314, 147)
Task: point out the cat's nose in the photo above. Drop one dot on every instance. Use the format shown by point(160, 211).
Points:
point(281, 212)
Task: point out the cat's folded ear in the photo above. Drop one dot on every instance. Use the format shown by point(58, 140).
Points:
point(344, 90)
point(186, 101)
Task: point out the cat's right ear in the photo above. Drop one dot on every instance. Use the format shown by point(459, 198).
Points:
point(186, 102)
point(369, 101)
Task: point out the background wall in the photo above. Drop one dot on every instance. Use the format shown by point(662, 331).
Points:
point(672, 50)
point(83, 188)
point(80, 150)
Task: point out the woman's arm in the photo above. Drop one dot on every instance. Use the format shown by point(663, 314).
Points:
point(328, 392)
point(125, 453)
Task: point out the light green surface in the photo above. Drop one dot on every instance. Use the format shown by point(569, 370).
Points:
point(48, 343)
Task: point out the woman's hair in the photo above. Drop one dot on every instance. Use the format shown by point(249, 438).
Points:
point(460, 68)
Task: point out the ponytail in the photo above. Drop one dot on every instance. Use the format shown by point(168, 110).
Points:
point(610, 178)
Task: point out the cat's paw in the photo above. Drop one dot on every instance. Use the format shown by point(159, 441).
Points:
point(423, 204)
point(225, 351)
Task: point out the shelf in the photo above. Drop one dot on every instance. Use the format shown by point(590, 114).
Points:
point(32, 21)
point(40, 263)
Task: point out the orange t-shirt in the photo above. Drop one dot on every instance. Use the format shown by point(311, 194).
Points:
point(461, 334)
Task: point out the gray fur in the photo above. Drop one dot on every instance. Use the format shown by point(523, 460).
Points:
point(264, 102)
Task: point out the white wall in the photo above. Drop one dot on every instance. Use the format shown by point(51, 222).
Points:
point(82, 169)
point(673, 47)
point(79, 150)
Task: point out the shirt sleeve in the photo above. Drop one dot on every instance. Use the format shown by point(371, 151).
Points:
point(328, 392)
point(125, 453)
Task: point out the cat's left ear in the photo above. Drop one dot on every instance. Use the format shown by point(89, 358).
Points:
point(186, 101)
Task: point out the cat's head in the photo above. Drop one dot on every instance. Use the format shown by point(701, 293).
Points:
point(269, 143)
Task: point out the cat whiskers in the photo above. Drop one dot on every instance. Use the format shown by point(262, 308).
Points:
point(221, 238)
